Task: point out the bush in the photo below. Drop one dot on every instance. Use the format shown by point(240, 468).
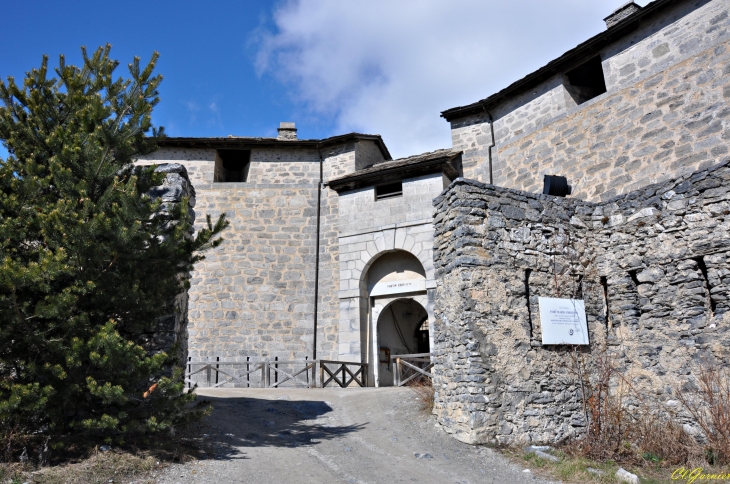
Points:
point(86, 257)
point(708, 401)
point(624, 426)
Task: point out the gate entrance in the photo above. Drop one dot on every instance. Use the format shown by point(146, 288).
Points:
point(398, 320)
point(400, 332)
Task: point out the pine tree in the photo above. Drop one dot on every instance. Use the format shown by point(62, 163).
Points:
point(86, 256)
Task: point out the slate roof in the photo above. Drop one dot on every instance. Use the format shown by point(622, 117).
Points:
point(565, 62)
point(445, 160)
point(242, 142)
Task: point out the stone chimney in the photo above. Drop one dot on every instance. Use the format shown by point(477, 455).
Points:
point(287, 131)
point(624, 11)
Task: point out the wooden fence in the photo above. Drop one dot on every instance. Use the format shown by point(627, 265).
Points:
point(347, 376)
point(268, 373)
point(408, 368)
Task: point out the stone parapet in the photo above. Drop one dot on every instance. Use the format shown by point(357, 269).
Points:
point(650, 265)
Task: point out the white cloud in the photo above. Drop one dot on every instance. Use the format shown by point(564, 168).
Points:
point(390, 67)
point(211, 116)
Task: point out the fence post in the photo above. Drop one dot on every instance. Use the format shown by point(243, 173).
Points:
point(190, 370)
point(313, 381)
point(263, 375)
point(248, 375)
point(306, 373)
point(217, 358)
point(396, 374)
point(267, 374)
point(321, 374)
point(207, 371)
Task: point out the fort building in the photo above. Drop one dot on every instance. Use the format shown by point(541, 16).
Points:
point(337, 251)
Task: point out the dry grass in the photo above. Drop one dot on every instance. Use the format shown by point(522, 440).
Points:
point(102, 467)
point(575, 469)
point(133, 465)
point(625, 427)
point(424, 390)
point(709, 404)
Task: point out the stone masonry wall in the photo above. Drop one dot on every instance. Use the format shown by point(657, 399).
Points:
point(367, 228)
point(253, 296)
point(678, 119)
point(651, 265)
point(685, 30)
point(667, 84)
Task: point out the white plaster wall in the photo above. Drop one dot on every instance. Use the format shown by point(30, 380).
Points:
point(384, 334)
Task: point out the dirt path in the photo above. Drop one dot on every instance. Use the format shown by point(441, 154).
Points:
point(334, 435)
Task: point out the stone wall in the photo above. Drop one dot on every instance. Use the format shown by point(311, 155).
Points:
point(284, 167)
point(253, 296)
point(677, 119)
point(667, 103)
point(359, 211)
point(651, 265)
point(683, 31)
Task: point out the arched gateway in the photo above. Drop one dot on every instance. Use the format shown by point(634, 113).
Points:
point(398, 320)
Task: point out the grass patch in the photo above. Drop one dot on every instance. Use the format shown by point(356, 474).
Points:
point(103, 467)
point(569, 469)
point(120, 466)
point(573, 468)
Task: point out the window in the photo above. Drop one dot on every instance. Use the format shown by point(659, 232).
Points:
point(232, 165)
point(389, 191)
point(586, 81)
point(556, 186)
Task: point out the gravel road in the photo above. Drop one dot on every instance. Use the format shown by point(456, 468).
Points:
point(361, 435)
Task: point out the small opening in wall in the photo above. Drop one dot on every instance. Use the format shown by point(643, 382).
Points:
point(586, 81)
point(634, 275)
point(606, 312)
point(389, 191)
point(556, 185)
point(527, 297)
point(232, 166)
point(703, 269)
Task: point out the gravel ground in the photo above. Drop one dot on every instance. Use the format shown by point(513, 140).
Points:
point(362, 435)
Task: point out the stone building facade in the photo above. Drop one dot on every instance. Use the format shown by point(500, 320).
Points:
point(664, 74)
point(331, 250)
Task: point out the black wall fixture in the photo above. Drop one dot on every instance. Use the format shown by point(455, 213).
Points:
point(556, 185)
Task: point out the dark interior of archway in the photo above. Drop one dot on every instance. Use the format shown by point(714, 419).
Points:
point(422, 336)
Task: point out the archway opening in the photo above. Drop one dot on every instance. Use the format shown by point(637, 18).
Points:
point(400, 330)
point(423, 337)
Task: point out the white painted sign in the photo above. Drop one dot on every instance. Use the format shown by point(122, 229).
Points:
point(563, 321)
point(396, 287)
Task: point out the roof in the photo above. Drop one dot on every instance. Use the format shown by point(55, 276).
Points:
point(445, 161)
point(565, 62)
point(233, 142)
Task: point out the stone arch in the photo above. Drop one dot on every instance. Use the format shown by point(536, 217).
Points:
point(393, 240)
point(391, 275)
point(390, 330)
point(358, 254)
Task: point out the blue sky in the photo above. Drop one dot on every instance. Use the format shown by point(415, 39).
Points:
point(375, 66)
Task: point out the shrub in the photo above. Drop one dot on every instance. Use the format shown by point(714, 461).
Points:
point(623, 425)
point(708, 402)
